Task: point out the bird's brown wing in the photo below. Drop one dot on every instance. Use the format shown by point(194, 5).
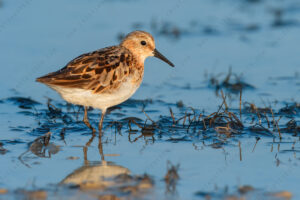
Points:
point(96, 71)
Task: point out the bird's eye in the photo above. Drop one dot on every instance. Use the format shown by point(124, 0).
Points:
point(143, 42)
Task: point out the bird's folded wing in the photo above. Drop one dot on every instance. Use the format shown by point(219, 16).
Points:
point(96, 71)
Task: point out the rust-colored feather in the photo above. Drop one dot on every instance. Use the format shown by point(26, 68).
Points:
point(98, 71)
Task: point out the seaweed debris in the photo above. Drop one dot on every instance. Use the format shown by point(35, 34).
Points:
point(279, 20)
point(22, 102)
point(171, 178)
point(182, 124)
point(2, 149)
point(231, 82)
point(41, 147)
point(244, 192)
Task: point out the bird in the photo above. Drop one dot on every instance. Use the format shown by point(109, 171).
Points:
point(105, 77)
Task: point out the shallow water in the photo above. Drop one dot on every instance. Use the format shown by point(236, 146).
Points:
point(205, 40)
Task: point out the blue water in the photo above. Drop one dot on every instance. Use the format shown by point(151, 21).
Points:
point(37, 37)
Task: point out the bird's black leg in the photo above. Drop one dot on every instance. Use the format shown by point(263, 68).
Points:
point(101, 121)
point(86, 120)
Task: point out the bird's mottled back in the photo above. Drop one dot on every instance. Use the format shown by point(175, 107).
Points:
point(96, 71)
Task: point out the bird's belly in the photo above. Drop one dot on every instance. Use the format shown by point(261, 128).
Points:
point(101, 101)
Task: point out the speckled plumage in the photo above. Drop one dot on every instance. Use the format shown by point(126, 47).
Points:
point(101, 71)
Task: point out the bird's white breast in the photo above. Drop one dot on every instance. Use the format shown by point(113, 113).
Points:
point(101, 101)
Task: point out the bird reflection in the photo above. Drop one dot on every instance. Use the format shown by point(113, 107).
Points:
point(106, 176)
point(96, 174)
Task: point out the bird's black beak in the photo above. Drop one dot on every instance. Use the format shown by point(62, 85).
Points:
point(163, 58)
